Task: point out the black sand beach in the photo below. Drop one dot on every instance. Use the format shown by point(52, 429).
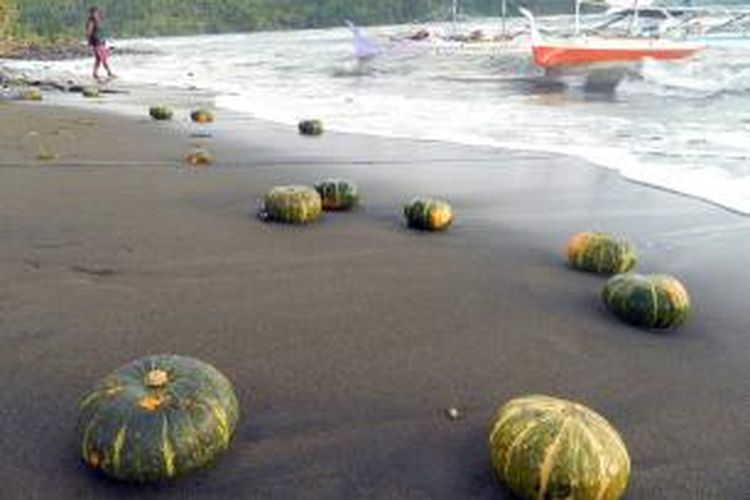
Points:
point(347, 340)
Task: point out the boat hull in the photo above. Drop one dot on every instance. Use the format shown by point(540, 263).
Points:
point(560, 55)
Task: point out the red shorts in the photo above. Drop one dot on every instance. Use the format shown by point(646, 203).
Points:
point(101, 53)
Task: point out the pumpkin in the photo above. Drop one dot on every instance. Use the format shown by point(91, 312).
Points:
point(601, 253)
point(651, 300)
point(160, 113)
point(337, 194)
point(202, 116)
point(428, 214)
point(44, 153)
point(292, 204)
point(311, 127)
point(198, 158)
point(157, 418)
point(545, 448)
point(91, 92)
point(30, 94)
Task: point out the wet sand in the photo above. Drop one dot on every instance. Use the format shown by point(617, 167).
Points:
point(347, 340)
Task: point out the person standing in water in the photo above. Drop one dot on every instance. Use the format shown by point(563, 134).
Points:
point(97, 42)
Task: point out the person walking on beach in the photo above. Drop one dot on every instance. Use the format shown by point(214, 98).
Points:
point(97, 43)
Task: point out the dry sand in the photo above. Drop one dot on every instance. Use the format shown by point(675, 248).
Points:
point(347, 340)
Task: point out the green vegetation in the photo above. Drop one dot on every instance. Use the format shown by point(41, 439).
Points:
point(52, 19)
point(7, 15)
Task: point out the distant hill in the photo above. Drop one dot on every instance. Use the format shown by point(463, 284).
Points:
point(52, 18)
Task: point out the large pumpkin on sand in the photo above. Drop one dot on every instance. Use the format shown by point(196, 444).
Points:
point(156, 418)
point(428, 214)
point(546, 448)
point(291, 204)
point(601, 253)
point(337, 194)
point(648, 300)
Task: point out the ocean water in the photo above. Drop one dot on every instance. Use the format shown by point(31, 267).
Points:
point(682, 126)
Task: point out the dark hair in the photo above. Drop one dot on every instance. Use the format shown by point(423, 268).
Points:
point(93, 10)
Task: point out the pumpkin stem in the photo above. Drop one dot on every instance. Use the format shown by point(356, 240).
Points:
point(157, 378)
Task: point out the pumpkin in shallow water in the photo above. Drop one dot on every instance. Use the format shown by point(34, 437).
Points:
point(156, 418)
point(650, 300)
point(198, 158)
point(160, 113)
point(292, 204)
point(601, 253)
point(30, 94)
point(91, 92)
point(428, 214)
point(337, 194)
point(45, 153)
point(202, 116)
point(311, 127)
point(545, 448)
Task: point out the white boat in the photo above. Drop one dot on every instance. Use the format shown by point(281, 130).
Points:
point(450, 40)
point(712, 26)
point(728, 29)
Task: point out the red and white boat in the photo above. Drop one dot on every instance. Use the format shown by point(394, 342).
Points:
point(585, 50)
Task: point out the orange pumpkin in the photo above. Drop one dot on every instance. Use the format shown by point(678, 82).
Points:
point(202, 116)
point(198, 158)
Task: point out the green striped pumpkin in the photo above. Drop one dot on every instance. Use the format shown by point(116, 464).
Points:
point(337, 194)
point(545, 448)
point(160, 113)
point(156, 418)
point(650, 300)
point(428, 214)
point(310, 127)
point(601, 253)
point(202, 116)
point(292, 204)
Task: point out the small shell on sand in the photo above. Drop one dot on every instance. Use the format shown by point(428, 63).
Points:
point(453, 413)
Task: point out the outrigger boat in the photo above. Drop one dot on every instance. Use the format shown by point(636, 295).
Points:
point(712, 26)
point(451, 41)
point(582, 50)
point(723, 28)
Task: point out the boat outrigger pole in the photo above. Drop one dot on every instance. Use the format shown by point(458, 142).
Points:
point(503, 14)
point(454, 15)
point(634, 19)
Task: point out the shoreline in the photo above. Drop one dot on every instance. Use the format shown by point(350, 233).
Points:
point(348, 339)
point(122, 103)
point(208, 97)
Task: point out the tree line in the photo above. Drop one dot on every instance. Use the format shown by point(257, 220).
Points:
point(7, 16)
point(53, 18)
